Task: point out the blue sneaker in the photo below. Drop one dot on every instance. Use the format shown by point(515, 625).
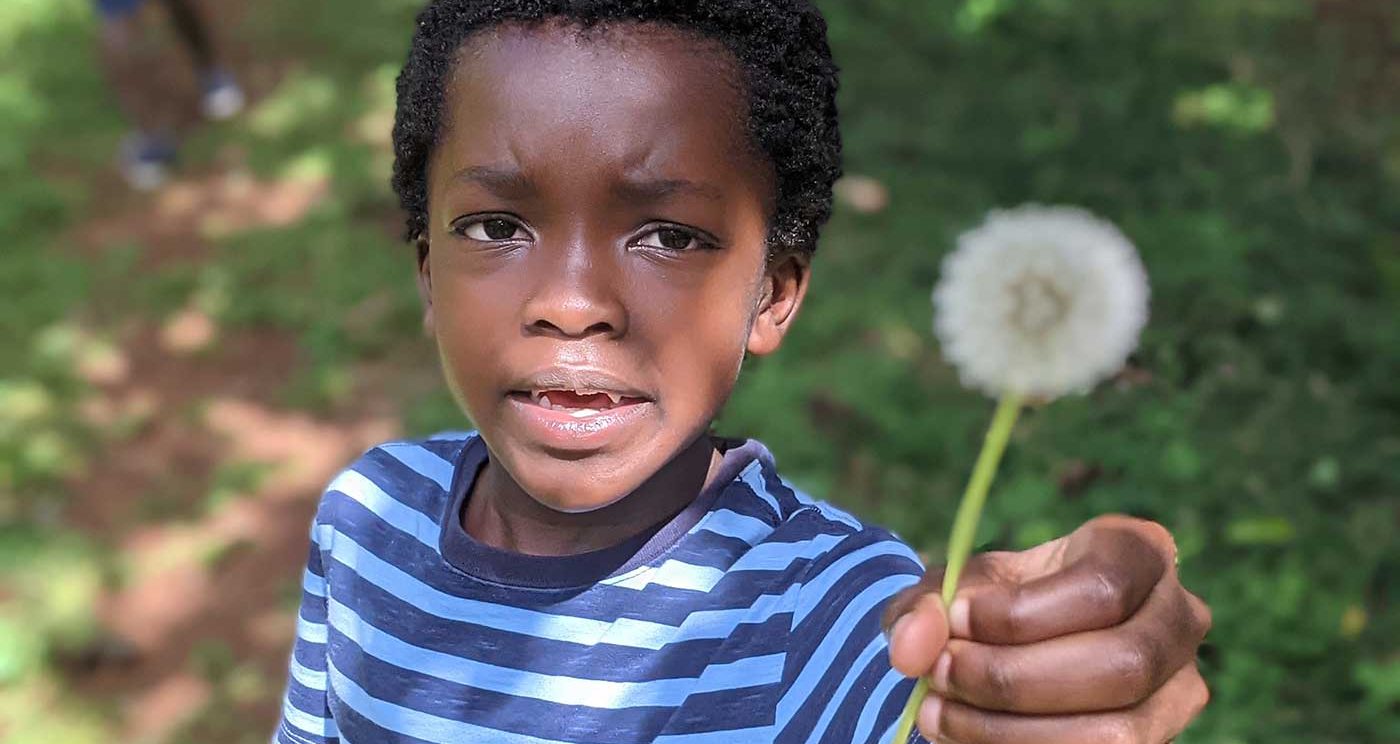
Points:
point(145, 160)
point(222, 98)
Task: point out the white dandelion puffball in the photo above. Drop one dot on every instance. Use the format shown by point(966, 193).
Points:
point(1040, 301)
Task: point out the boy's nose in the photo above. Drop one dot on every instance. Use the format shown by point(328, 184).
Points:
point(576, 295)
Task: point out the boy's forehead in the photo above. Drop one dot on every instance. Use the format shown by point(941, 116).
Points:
point(630, 45)
point(629, 90)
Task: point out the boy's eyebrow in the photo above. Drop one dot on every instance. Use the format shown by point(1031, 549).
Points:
point(658, 189)
point(511, 183)
point(504, 182)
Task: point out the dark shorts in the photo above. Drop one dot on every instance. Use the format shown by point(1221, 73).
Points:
point(117, 8)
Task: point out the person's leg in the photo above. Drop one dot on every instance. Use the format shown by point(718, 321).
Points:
point(148, 151)
point(221, 96)
point(117, 42)
point(192, 31)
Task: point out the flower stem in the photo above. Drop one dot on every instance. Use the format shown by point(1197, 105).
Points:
point(965, 530)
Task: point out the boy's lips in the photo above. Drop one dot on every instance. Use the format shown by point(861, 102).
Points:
point(577, 409)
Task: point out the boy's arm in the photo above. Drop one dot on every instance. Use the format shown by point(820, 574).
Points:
point(306, 716)
point(838, 685)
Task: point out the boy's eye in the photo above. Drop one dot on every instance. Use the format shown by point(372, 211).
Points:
point(489, 229)
point(670, 239)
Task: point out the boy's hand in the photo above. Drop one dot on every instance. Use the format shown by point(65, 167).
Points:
point(1085, 639)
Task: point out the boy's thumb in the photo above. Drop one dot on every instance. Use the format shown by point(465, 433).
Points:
point(918, 635)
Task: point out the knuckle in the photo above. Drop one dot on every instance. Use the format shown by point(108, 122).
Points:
point(978, 727)
point(1200, 692)
point(1119, 730)
point(1001, 687)
point(1204, 617)
point(1158, 534)
point(1014, 622)
point(1109, 593)
point(1157, 537)
point(1132, 668)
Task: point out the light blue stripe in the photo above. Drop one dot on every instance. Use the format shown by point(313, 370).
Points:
point(818, 587)
point(747, 735)
point(562, 690)
point(676, 575)
point(629, 632)
point(422, 462)
point(834, 639)
point(309, 632)
point(444, 436)
point(313, 725)
point(877, 700)
point(730, 523)
point(876, 645)
point(396, 514)
point(753, 476)
point(418, 724)
point(778, 556)
point(285, 732)
point(313, 584)
point(308, 678)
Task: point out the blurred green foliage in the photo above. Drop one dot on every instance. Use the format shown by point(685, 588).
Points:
point(1249, 147)
point(1250, 150)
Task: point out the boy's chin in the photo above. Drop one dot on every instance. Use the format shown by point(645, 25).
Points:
point(577, 497)
point(579, 486)
point(575, 505)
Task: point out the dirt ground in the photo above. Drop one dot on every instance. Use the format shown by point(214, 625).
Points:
point(198, 623)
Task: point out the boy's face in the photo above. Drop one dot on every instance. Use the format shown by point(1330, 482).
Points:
point(597, 264)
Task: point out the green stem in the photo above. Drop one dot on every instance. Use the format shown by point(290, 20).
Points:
point(965, 530)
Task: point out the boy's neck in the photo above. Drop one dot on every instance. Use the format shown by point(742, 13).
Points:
point(499, 513)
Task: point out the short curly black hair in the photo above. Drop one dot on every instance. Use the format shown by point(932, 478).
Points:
point(781, 48)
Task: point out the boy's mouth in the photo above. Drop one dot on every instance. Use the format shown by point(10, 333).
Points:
point(578, 403)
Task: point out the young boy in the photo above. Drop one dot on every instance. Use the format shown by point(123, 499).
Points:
point(148, 152)
point(613, 202)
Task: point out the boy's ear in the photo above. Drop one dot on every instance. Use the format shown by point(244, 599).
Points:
point(784, 287)
point(425, 284)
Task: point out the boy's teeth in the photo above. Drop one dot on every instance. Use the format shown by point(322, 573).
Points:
point(541, 398)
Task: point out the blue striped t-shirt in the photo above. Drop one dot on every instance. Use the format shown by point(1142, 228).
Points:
point(751, 616)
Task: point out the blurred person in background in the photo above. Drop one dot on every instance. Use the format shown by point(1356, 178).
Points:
point(149, 151)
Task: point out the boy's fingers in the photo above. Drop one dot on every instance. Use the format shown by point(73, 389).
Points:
point(1156, 721)
point(1085, 672)
point(1111, 571)
point(918, 636)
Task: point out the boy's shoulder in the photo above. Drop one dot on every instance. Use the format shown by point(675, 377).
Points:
point(416, 474)
point(827, 533)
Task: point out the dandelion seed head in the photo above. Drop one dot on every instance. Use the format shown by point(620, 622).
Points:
point(1040, 301)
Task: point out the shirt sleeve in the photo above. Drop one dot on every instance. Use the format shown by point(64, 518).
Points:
point(838, 685)
point(306, 716)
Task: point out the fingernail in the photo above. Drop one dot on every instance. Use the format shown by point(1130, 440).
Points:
point(930, 716)
point(939, 682)
point(960, 617)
